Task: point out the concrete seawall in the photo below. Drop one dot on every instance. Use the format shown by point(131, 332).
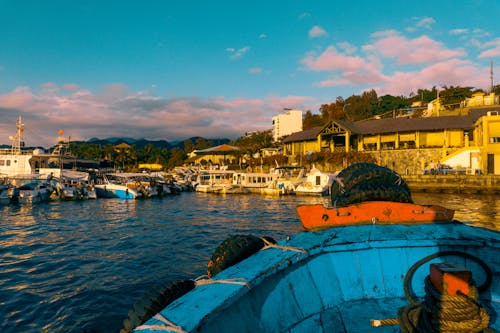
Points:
point(481, 184)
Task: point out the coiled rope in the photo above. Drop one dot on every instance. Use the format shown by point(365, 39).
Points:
point(444, 313)
point(438, 312)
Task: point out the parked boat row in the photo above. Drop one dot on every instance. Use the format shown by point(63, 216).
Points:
point(38, 188)
point(282, 180)
point(34, 176)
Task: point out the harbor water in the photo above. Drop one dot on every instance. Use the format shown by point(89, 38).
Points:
point(80, 266)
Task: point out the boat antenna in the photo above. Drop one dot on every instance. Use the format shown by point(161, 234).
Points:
point(491, 74)
point(17, 139)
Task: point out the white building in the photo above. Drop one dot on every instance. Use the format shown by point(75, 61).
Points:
point(287, 123)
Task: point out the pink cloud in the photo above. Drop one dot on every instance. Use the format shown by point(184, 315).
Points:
point(331, 60)
point(70, 87)
point(317, 32)
point(412, 51)
point(114, 111)
point(493, 49)
point(450, 72)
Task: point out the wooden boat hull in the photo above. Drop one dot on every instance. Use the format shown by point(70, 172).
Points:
point(319, 216)
point(336, 280)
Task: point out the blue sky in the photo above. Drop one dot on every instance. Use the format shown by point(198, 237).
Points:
point(174, 69)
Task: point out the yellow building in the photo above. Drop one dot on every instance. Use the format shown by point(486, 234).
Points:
point(478, 131)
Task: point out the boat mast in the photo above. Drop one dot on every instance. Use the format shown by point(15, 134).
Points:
point(17, 139)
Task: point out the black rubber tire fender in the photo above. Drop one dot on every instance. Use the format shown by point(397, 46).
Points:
point(233, 250)
point(368, 177)
point(338, 186)
point(372, 192)
point(153, 302)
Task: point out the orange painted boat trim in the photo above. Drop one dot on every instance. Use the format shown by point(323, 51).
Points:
point(381, 212)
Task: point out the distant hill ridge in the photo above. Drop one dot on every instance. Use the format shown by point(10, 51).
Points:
point(140, 143)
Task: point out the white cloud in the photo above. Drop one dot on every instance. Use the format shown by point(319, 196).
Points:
point(237, 54)
point(459, 31)
point(304, 15)
point(425, 22)
point(316, 32)
point(255, 70)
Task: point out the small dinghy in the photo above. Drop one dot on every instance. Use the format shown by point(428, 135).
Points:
point(359, 277)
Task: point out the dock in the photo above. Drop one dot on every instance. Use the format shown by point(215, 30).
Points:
point(454, 183)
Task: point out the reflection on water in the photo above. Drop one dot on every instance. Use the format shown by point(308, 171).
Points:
point(481, 210)
point(75, 266)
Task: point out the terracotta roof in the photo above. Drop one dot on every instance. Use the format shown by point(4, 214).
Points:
point(224, 148)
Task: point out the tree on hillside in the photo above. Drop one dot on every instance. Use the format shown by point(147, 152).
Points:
point(176, 157)
point(251, 144)
point(388, 103)
point(311, 120)
point(362, 106)
point(202, 143)
point(188, 146)
point(451, 97)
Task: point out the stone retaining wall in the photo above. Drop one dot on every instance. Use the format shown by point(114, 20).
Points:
point(483, 184)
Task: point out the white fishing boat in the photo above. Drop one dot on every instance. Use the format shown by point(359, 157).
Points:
point(254, 181)
point(33, 188)
point(287, 180)
point(111, 188)
point(71, 184)
point(316, 183)
point(215, 181)
point(15, 161)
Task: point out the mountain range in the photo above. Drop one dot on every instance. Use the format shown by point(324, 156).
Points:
point(140, 143)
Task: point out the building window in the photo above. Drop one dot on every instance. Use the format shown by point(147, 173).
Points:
point(370, 146)
point(388, 146)
point(407, 145)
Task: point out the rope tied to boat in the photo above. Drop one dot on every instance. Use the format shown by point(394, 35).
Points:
point(167, 327)
point(439, 311)
point(205, 280)
point(444, 313)
point(268, 244)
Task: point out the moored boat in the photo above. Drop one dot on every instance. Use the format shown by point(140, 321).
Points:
point(215, 181)
point(385, 276)
point(33, 189)
point(316, 182)
point(287, 180)
point(105, 188)
point(253, 181)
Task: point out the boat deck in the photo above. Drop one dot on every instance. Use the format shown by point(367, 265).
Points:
point(340, 318)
